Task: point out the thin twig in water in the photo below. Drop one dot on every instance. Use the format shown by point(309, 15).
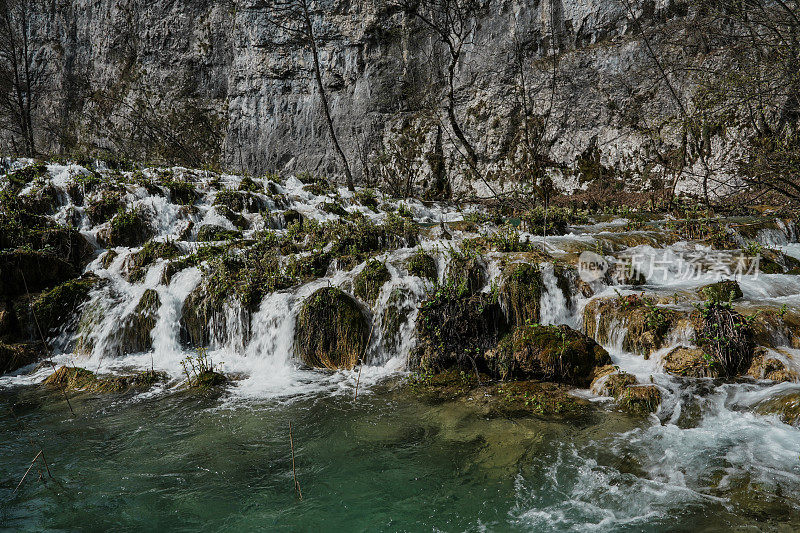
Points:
point(294, 471)
point(41, 453)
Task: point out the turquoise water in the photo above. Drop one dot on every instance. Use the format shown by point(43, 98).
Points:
point(190, 461)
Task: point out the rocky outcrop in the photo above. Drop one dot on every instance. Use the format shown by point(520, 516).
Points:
point(331, 330)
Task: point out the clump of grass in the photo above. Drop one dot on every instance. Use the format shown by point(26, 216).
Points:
point(200, 371)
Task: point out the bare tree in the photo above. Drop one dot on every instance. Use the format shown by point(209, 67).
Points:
point(20, 74)
point(296, 19)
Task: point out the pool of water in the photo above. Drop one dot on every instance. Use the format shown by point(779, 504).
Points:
point(386, 462)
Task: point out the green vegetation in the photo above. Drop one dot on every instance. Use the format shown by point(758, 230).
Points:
point(368, 283)
point(422, 265)
point(201, 372)
point(520, 293)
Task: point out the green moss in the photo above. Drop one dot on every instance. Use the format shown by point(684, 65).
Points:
point(331, 330)
point(182, 192)
point(367, 198)
point(640, 399)
point(551, 353)
point(54, 307)
point(368, 283)
point(247, 184)
point(134, 332)
point(465, 274)
point(102, 209)
point(80, 379)
point(213, 233)
point(149, 254)
point(334, 209)
point(23, 176)
point(422, 265)
point(236, 219)
point(15, 356)
point(520, 294)
point(721, 291)
point(128, 228)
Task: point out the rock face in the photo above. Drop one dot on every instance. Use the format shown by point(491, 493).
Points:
point(331, 330)
point(225, 86)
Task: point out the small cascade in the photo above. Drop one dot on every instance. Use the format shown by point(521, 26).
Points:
point(555, 308)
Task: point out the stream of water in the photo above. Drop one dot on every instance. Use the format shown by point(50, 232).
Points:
point(171, 459)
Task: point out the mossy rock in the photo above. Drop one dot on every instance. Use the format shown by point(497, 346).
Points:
point(423, 266)
point(182, 192)
point(15, 356)
point(108, 258)
point(134, 334)
point(291, 216)
point(452, 331)
point(23, 271)
point(520, 294)
point(764, 366)
point(548, 353)
point(334, 209)
point(80, 379)
point(213, 233)
point(207, 379)
point(786, 405)
point(239, 201)
point(151, 252)
point(647, 323)
point(465, 273)
point(249, 185)
point(640, 399)
point(609, 381)
point(689, 362)
point(331, 331)
point(624, 274)
point(237, 219)
point(55, 307)
point(721, 291)
point(102, 208)
point(127, 228)
point(368, 283)
point(398, 308)
point(197, 312)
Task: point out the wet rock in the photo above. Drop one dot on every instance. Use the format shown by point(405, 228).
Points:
point(786, 405)
point(453, 330)
point(640, 399)
point(765, 366)
point(127, 228)
point(197, 312)
point(14, 356)
point(331, 331)
point(54, 309)
point(368, 283)
point(24, 271)
point(520, 294)
point(134, 334)
point(647, 323)
point(721, 291)
point(398, 308)
point(137, 262)
point(80, 379)
point(212, 233)
point(689, 362)
point(422, 265)
point(610, 381)
point(108, 258)
point(547, 353)
point(626, 274)
point(466, 273)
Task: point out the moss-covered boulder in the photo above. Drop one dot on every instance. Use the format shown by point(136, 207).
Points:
point(14, 356)
point(368, 283)
point(399, 306)
point(766, 366)
point(422, 265)
point(640, 399)
point(452, 330)
point(213, 233)
point(786, 405)
point(291, 216)
point(55, 308)
point(103, 207)
point(520, 294)
point(195, 317)
point(548, 353)
point(134, 333)
point(466, 273)
point(689, 362)
point(610, 381)
point(182, 192)
point(331, 331)
point(647, 323)
point(24, 271)
point(721, 291)
point(80, 379)
point(137, 263)
point(128, 228)
point(726, 336)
